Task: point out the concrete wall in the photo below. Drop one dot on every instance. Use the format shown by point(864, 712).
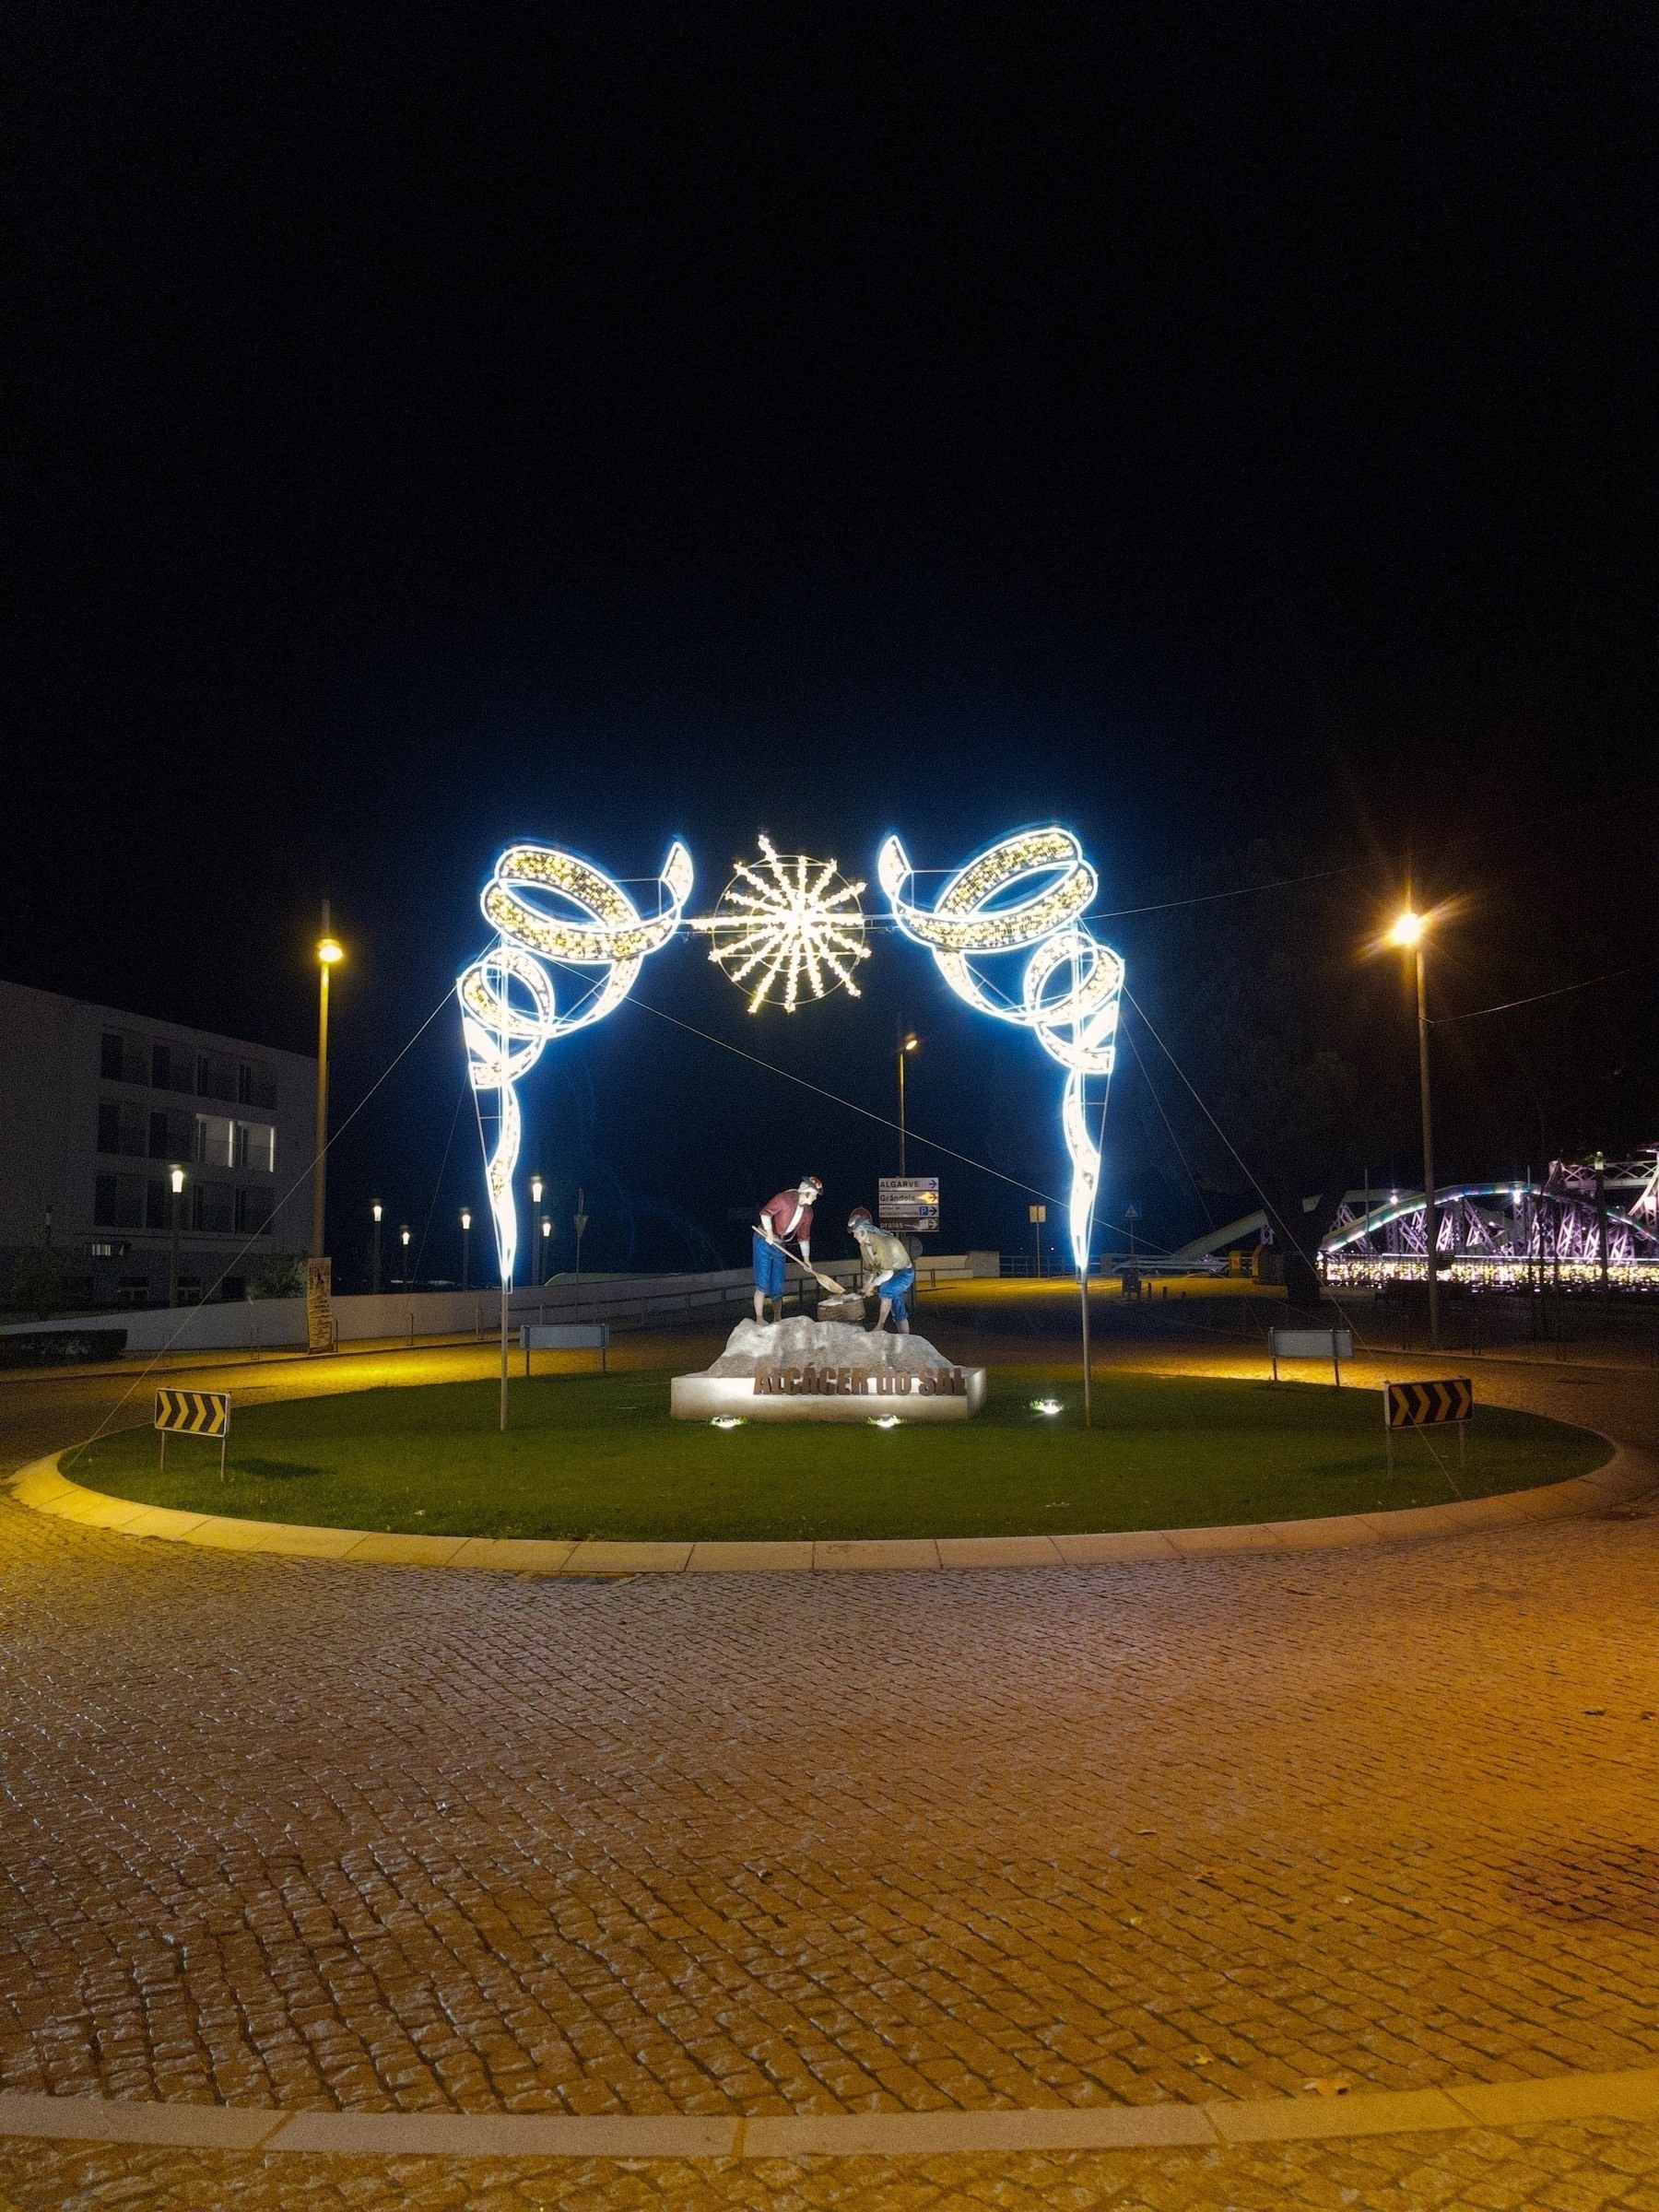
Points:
point(272, 1323)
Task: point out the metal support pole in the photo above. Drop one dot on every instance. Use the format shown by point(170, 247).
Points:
point(1431, 1214)
point(506, 1301)
point(900, 1057)
point(1087, 1379)
point(321, 1170)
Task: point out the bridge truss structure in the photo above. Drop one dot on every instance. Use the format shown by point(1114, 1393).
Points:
point(1583, 1228)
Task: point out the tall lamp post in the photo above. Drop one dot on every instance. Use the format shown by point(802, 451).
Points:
point(908, 1042)
point(1408, 934)
point(378, 1209)
point(465, 1245)
point(176, 1178)
point(328, 952)
point(546, 1226)
point(404, 1239)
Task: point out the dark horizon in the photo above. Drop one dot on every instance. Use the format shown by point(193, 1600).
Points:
point(1230, 439)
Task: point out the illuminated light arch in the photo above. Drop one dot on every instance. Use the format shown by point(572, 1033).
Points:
point(505, 1035)
point(1072, 986)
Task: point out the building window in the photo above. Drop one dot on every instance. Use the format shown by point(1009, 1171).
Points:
point(122, 1059)
point(215, 1207)
point(121, 1129)
point(253, 1213)
point(257, 1083)
point(172, 1067)
point(215, 1076)
point(256, 1146)
point(173, 1136)
point(215, 1140)
point(118, 1202)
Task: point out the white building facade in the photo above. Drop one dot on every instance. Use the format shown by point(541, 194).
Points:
point(97, 1108)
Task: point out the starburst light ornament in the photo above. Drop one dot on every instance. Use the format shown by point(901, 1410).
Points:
point(785, 925)
point(509, 1007)
point(1028, 894)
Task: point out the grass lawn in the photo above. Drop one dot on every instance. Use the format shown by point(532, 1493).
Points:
point(599, 1456)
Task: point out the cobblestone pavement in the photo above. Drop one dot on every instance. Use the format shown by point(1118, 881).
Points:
point(283, 1832)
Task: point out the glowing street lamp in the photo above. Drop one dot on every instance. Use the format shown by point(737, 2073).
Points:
point(1408, 934)
point(465, 1244)
point(908, 1043)
point(176, 1179)
point(377, 1209)
point(547, 1245)
point(404, 1237)
point(328, 951)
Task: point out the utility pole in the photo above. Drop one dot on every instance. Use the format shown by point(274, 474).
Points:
point(328, 952)
point(908, 1043)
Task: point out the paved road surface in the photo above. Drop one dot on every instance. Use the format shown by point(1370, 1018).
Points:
point(283, 1832)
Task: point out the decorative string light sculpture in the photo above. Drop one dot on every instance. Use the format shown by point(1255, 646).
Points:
point(790, 922)
point(1042, 886)
point(510, 1009)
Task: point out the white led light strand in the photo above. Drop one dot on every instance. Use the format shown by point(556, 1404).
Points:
point(1072, 985)
point(505, 1034)
point(791, 921)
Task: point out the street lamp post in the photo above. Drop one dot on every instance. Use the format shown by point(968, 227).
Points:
point(403, 1235)
point(580, 1224)
point(1407, 934)
point(379, 1209)
point(466, 1246)
point(908, 1042)
point(328, 952)
point(176, 1178)
point(547, 1245)
point(536, 1187)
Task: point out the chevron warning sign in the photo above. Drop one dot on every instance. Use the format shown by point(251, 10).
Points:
point(1426, 1405)
point(194, 1412)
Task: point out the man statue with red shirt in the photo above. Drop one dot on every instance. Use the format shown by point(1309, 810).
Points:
point(783, 1219)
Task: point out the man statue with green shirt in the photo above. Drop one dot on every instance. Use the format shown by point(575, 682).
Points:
point(888, 1268)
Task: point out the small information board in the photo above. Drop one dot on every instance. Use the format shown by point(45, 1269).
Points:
point(195, 1413)
point(319, 1305)
point(909, 1204)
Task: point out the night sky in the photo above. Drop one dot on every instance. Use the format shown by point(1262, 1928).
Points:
point(1228, 431)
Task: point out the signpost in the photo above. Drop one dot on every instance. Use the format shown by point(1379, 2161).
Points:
point(195, 1413)
point(319, 1306)
point(908, 1204)
point(1427, 1405)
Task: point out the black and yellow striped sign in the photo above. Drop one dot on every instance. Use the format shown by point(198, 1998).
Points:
point(192, 1412)
point(1426, 1405)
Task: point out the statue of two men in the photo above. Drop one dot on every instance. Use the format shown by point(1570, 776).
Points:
point(888, 1268)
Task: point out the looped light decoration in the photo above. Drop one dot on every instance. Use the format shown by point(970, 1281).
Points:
point(790, 922)
point(505, 1035)
point(1072, 983)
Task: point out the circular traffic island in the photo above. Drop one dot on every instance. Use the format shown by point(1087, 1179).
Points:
point(599, 1457)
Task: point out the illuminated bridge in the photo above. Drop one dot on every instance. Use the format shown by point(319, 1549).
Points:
point(1504, 1236)
point(1583, 1225)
